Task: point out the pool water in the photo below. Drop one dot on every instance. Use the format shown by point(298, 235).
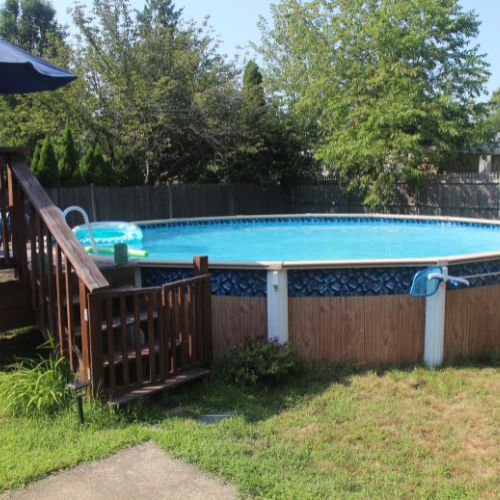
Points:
point(322, 239)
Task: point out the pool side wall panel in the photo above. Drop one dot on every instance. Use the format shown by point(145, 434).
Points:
point(344, 315)
point(472, 322)
point(364, 330)
point(236, 320)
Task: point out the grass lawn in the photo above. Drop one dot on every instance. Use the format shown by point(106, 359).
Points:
point(326, 433)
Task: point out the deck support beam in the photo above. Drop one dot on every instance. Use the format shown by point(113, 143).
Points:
point(277, 305)
point(434, 327)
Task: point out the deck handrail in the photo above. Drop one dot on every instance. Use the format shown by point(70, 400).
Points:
point(46, 256)
point(85, 268)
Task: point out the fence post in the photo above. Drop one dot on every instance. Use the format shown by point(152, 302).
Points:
point(92, 200)
point(498, 197)
point(200, 264)
point(170, 200)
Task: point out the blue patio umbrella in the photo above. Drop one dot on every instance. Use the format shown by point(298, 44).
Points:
point(22, 72)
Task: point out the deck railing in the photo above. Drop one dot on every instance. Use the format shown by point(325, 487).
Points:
point(144, 336)
point(48, 258)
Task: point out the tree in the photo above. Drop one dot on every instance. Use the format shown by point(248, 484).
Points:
point(390, 87)
point(96, 169)
point(36, 156)
point(31, 24)
point(46, 167)
point(268, 151)
point(158, 91)
point(68, 160)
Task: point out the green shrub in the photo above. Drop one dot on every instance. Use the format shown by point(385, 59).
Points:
point(36, 387)
point(96, 169)
point(68, 162)
point(258, 361)
point(46, 167)
point(493, 358)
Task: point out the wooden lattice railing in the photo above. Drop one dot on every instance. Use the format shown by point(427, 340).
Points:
point(114, 338)
point(145, 336)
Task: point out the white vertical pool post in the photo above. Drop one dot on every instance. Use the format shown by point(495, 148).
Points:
point(277, 305)
point(434, 325)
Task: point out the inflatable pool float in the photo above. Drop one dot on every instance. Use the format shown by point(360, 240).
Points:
point(109, 233)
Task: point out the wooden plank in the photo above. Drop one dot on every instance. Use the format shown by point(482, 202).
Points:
point(41, 274)
point(172, 381)
point(329, 329)
point(3, 214)
point(124, 335)
point(95, 337)
point(60, 300)
point(150, 303)
point(193, 352)
point(162, 337)
point(110, 334)
point(301, 328)
point(172, 329)
point(484, 319)
point(51, 305)
point(412, 329)
point(84, 369)
point(33, 251)
point(181, 326)
point(69, 313)
point(228, 316)
point(456, 335)
point(353, 329)
point(137, 340)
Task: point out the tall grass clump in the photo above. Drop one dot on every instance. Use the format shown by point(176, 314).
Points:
point(36, 387)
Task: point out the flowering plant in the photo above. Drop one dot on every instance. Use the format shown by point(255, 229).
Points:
point(258, 361)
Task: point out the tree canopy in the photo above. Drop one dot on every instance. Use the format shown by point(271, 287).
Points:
point(380, 91)
point(391, 87)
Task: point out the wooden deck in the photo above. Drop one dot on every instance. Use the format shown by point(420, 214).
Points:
point(123, 339)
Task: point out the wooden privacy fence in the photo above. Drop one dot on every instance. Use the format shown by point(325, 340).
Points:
point(465, 195)
point(146, 336)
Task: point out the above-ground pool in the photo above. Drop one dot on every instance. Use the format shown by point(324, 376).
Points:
point(318, 238)
point(338, 287)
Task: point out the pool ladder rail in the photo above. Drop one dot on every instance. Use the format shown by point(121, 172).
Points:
point(86, 220)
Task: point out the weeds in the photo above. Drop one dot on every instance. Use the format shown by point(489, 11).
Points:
point(36, 387)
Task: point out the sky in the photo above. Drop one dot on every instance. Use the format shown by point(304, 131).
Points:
point(235, 22)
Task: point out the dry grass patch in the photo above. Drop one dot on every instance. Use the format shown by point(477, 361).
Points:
point(397, 434)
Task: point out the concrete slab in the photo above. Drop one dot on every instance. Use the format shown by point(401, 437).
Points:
point(142, 472)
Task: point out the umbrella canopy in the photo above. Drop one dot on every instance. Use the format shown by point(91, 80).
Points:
point(22, 72)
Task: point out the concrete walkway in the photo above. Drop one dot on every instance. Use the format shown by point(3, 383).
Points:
point(143, 472)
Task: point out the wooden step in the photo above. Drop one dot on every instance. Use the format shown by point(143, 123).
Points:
point(133, 354)
point(116, 322)
point(179, 378)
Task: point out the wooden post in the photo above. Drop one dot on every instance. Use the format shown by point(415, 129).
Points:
point(3, 212)
point(95, 342)
point(200, 264)
point(84, 323)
